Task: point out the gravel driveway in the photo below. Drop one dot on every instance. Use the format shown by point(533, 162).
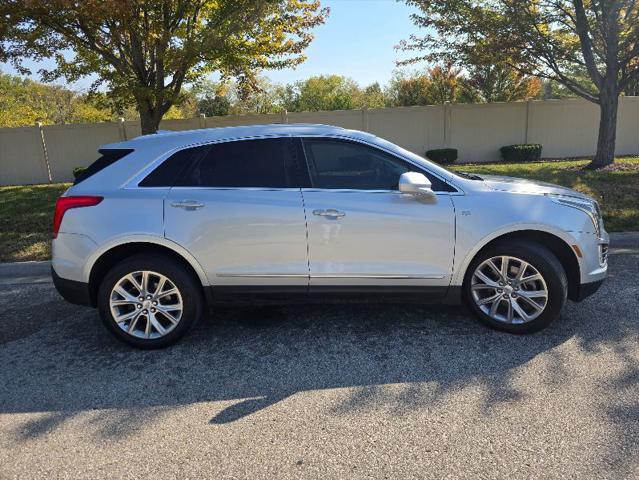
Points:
point(323, 392)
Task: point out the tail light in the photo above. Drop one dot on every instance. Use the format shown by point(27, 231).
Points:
point(65, 203)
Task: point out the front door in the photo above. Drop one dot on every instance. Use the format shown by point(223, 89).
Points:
point(239, 211)
point(363, 232)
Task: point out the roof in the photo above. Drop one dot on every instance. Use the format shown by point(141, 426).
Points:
point(172, 139)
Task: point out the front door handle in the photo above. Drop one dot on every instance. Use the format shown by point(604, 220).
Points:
point(330, 213)
point(187, 204)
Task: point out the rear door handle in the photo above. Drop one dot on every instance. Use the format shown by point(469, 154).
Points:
point(187, 204)
point(330, 213)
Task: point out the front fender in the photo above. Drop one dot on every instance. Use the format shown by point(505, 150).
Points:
point(467, 247)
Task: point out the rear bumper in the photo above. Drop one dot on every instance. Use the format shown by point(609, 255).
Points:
point(72, 291)
point(585, 290)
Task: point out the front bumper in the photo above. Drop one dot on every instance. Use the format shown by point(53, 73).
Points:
point(593, 264)
point(584, 290)
point(72, 291)
point(593, 257)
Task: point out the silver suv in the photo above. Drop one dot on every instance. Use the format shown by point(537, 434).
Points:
point(162, 226)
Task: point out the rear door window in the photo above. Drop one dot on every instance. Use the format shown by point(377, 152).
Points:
point(171, 170)
point(262, 163)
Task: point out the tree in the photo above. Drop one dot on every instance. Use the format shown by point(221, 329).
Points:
point(24, 102)
point(262, 96)
point(632, 88)
point(211, 97)
point(323, 92)
point(438, 85)
point(550, 39)
point(372, 96)
point(145, 51)
point(499, 83)
point(444, 84)
point(231, 97)
point(408, 91)
point(214, 106)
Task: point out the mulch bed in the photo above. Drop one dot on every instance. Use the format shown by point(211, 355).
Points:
point(615, 167)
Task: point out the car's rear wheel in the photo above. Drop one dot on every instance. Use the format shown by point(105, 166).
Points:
point(149, 301)
point(517, 288)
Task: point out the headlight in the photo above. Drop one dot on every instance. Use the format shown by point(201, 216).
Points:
point(588, 206)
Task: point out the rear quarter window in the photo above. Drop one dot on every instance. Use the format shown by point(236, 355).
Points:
point(109, 157)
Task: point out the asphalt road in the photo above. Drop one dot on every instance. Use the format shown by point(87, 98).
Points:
point(323, 392)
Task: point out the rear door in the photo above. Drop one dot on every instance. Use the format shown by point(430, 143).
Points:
point(363, 232)
point(239, 211)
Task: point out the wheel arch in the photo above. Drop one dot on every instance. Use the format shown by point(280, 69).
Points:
point(117, 251)
point(560, 247)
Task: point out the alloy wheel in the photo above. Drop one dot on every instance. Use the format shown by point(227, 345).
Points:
point(146, 304)
point(509, 290)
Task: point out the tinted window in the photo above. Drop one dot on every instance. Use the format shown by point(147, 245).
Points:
point(266, 163)
point(109, 157)
point(169, 172)
point(340, 164)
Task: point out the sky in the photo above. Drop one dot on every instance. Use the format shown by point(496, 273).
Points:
point(357, 40)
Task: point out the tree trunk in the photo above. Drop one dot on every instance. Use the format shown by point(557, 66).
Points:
point(609, 103)
point(149, 120)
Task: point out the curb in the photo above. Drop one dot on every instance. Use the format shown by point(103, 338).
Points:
point(620, 241)
point(624, 240)
point(25, 269)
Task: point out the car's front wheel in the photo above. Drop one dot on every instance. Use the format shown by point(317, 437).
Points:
point(149, 301)
point(517, 288)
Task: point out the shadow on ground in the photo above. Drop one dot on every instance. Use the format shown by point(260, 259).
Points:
point(63, 362)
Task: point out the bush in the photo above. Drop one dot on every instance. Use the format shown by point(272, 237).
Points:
point(525, 152)
point(77, 171)
point(442, 155)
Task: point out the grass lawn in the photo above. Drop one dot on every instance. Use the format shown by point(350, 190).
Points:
point(26, 220)
point(26, 212)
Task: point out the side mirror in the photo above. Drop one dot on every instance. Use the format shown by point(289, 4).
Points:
point(415, 183)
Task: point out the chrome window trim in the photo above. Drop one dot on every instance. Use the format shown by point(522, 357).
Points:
point(245, 189)
point(290, 189)
point(355, 190)
point(133, 181)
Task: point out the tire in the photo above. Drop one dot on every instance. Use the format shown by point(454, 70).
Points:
point(479, 292)
point(169, 323)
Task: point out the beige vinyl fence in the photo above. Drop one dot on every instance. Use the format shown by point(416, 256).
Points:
point(565, 128)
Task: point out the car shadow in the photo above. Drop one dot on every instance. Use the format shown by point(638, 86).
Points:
point(253, 358)
point(258, 356)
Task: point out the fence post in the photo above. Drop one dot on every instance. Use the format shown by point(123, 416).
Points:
point(44, 151)
point(202, 120)
point(122, 129)
point(365, 119)
point(284, 116)
point(528, 113)
point(447, 124)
